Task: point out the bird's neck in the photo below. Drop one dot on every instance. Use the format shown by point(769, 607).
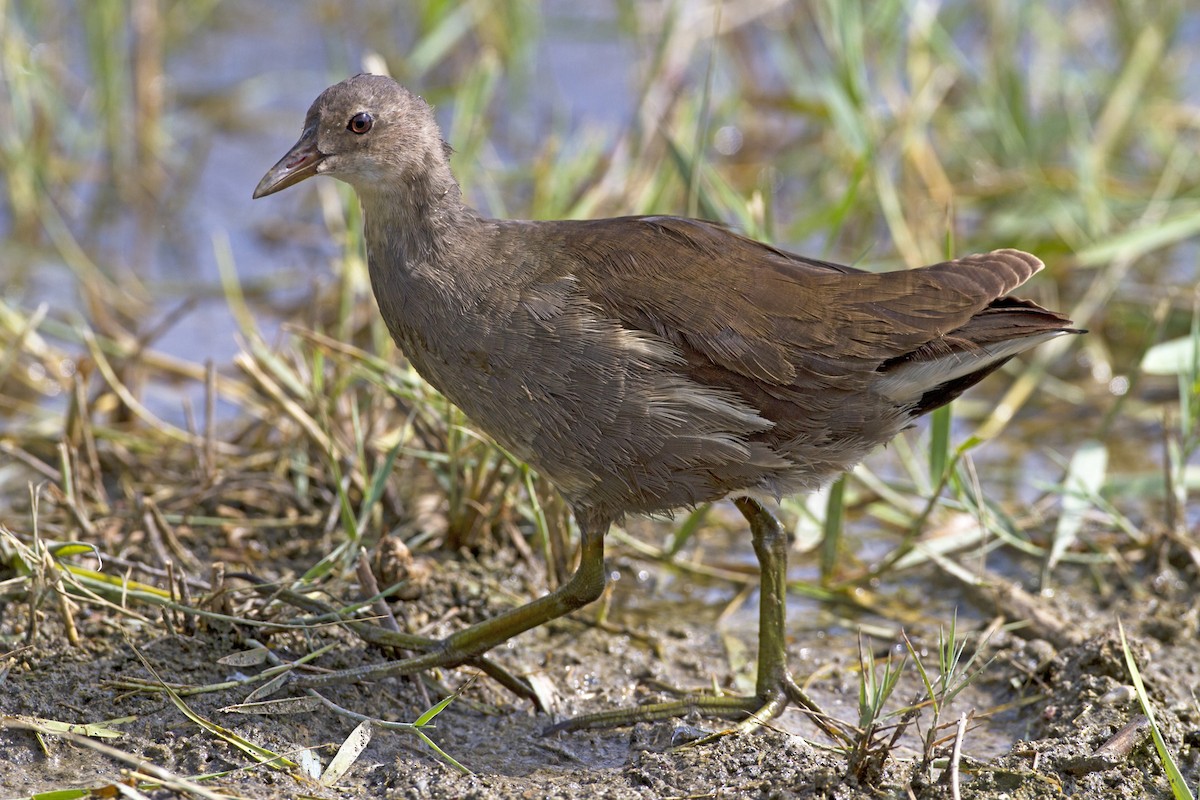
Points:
point(410, 222)
point(421, 265)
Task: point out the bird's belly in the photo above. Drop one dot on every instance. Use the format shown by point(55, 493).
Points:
point(612, 424)
point(617, 420)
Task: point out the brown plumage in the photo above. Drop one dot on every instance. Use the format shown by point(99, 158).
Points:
point(649, 363)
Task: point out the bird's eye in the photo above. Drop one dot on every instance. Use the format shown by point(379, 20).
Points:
point(360, 123)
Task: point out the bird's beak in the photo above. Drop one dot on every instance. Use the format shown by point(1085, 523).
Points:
point(300, 162)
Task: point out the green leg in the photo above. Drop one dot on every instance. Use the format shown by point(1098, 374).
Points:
point(774, 688)
point(585, 586)
point(770, 547)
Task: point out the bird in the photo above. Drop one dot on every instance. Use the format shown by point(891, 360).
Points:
point(645, 364)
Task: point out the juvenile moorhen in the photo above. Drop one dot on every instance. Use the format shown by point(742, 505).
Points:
point(645, 364)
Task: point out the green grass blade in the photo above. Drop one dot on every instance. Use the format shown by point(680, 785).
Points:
point(1179, 787)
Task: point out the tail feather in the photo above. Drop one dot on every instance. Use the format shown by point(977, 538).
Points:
point(940, 370)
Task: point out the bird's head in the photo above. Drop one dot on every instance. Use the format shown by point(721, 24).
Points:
point(368, 131)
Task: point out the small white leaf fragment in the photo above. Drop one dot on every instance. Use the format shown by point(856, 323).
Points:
point(347, 754)
point(310, 763)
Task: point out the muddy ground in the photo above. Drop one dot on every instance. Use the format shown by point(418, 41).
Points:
point(1051, 714)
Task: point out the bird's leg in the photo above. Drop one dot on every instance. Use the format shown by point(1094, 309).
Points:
point(774, 687)
point(770, 547)
point(584, 586)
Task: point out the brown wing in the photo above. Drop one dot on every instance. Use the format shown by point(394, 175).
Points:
point(776, 317)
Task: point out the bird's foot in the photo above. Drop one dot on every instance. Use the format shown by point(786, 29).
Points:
point(439, 655)
point(751, 711)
